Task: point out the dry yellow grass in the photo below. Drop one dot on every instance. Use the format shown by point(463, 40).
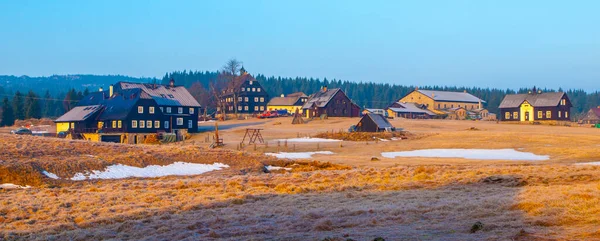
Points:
point(397, 199)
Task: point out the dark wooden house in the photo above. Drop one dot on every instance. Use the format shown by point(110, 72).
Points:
point(330, 102)
point(374, 123)
point(592, 116)
point(244, 95)
point(536, 106)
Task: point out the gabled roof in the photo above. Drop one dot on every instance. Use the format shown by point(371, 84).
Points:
point(410, 108)
point(94, 98)
point(438, 95)
point(121, 104)
point(163, 95)
point(238, 81)
point(79, 113)
point(321, 98)
point(297, 94)
point(284, 101)
point(379, 120)
point(547, 99)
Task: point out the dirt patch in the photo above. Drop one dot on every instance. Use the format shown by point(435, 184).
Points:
point(364, 136)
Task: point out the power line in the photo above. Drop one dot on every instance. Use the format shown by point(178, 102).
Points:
point(40, 98)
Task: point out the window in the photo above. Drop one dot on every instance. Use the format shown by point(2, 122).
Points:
point(242, 89)
point(447, 107)
point(180, 110)
point(516, 115)
point(507, 115)
point(140, 109)
point(156, 124)
point(166, 124)
point(255, 99)
point(250, 82)
point(548, 114)
point(133, 124)
point(566, 114)
point(559, 112)
point(246, 108)
point(230, 107)
point(179, 121)
point(191, 110)
point(171, 96)
point(257, 89)
point(240, 99)
point(114, 124)
point(563, 102)
point(255, 108)
point(540, 114)
point(190, 124)
point(439, 106)
point(262, 108)
point(262, 99)
point(239, 107)
point(142, 124)
point(168, 109)
point(151, 109)
point(149, 124)
point(246, 99)
point(119, 124)
point(253, 89)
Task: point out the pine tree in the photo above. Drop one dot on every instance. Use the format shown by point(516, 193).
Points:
point(32, 106)
point(8, 117)
point(18, 107)
point(48, 105)
point(86, 92)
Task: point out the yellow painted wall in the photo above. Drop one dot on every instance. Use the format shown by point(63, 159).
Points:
point(526, 107)
point(419, 98)
point(291, 109)
point(62, 126)
point(91, 136)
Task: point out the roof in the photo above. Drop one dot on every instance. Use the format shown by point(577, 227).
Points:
point(297, 94)
point(411, 108)
point(285, 101)
point(374, 110)
point(238, 81)
point(94, 98)
point(321, 98)
point(451, 96)
point(119, 106)
point(164, 95)
point(79, 113)
point(379, 120)
point(547, 99)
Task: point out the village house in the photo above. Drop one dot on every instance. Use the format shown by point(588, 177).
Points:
point(592, 117)
point(244, 95)
point(374, 123)
point(374, 111)
point(409, 111)
point(292, 102)
point(330, 103)
point(126, 109)
point(436, 101)
point(536, 106)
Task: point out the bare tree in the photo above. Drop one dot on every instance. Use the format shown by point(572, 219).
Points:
point(230, 71)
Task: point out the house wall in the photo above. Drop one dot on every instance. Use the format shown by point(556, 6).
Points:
point(62, 126)
point(340, 106)
point(254, 92)
point(420, 98)
point(290, 108)
point(366, 124)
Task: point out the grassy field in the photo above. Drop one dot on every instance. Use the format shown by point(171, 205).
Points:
point(353, 194)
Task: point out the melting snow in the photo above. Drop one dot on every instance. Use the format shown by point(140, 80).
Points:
point(12, 186)
point(298, 155)
point(123, 171)
point(309, 139)
point(274, 168)
point(50, 175)
point(478, 154)
point(589, 163)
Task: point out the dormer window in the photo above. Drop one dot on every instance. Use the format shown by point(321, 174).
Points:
point(140, 109)
point(171, 96)
point(250, 82)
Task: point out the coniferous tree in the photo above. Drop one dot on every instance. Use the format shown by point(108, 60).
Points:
point(18, 106)
point(32, 106)
point(8, 117)
point(48, 105)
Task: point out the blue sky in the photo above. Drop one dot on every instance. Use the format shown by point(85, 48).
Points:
point(505, 44)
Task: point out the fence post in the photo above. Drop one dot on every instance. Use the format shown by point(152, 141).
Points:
point(318, 146)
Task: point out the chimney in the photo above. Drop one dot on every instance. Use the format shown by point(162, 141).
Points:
point(324, 88)
point(100, 89)
point(465, 91)
point(172, 83)
point(432, 95)
point(110, 91)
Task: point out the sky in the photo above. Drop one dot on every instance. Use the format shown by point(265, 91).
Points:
point(502, 44)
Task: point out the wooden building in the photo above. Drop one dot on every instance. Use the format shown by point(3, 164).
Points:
point(409, 111)
point(435, 100)
point(374, 123)
point(132, 108)
point(536, 106)
point(330, 103)
point(291, 102)
point(592, 116)
point(244, 95)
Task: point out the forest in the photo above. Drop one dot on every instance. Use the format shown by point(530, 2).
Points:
point(49, 97)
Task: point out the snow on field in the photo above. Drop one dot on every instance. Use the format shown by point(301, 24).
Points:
point(123, 171)
point(12, 186)
point(275, 168)
point(477, 154)
point(309, 139)
point(50, 175)
point(589, 163)
point(298, 155)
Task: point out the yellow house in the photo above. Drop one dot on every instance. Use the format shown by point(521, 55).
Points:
point(436, 100)
point(291, 103)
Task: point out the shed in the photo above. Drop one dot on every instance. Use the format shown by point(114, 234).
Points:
point(374, 123)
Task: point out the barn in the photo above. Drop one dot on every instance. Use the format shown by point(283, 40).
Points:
point(592, 116)
point(374, 123)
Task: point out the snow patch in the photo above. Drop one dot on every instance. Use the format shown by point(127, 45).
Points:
point(588, 163)
point(477, 154)
point(123, 171)
point(298, 155)
point(309, 139)
point(275, 168)
point(12, 186)
point(50, 175)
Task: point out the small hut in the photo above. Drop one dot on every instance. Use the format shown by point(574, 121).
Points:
point(592, 117)
point(374, 123)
